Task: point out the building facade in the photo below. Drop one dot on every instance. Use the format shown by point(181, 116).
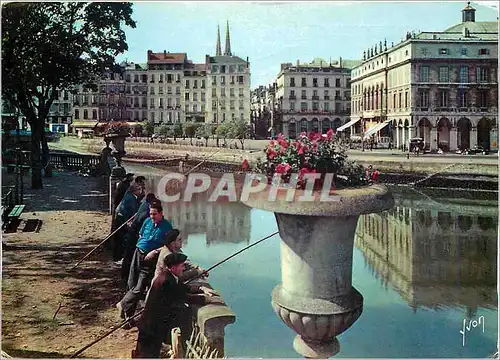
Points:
point(168, 89)
point(315, 96)
point(439, 86)
point(265, 112)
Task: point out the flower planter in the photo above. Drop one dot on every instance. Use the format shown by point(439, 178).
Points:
point(316, 298)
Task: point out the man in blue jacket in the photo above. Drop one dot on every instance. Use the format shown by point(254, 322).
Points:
point(151, 236)
point(124, 211)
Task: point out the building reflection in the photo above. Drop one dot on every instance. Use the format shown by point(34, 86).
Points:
point(433, 257)
point(221, 221)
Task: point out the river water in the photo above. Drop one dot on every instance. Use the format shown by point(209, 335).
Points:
point(422, 268)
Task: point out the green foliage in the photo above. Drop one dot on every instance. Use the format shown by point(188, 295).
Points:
point(163, 130)
point(147, 128)
point(50, 46)
point(238, 129)
point(205, 131)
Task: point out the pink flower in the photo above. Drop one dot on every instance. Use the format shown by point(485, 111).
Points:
point(330, 134)
point(283, 168)
point(303, 134)
point(271, 154)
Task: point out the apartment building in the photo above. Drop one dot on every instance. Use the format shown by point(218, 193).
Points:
point(439, 86)
point(314, 96)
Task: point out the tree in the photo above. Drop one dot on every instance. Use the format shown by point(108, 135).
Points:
point(222, 130)
point(147, 128)
point(205, 131)
point(164, 130)
point(239, 129)
point(177, 131)
point(53, 46)
point(190, 130)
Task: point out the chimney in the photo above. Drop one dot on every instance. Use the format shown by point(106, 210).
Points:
point(150, 52)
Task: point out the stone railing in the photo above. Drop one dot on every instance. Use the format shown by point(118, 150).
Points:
point(212, 319)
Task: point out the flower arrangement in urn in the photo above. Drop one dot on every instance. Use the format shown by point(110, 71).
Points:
point(312, 153)
point(116, 128)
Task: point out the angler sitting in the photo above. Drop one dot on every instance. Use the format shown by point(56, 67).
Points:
point(165, 307)
point(151, 236)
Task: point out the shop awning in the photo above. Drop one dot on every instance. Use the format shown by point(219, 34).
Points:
point(84, 124)
point(375, 129)
point(349, 124)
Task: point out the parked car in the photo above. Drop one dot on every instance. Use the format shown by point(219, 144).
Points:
point(478, 150)
point(417, 143)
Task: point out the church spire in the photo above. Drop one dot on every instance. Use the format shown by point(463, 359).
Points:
point(227, 50)
point(218, 51)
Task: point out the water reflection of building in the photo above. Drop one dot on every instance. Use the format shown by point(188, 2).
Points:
point(220, 221)
point(434, 257)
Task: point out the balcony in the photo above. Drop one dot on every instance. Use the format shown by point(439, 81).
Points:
point(315, 97)
point(303, 97)
point(338, 97)
point(292, 97)
point(327, 97)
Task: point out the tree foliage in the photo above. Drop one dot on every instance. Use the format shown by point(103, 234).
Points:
point(49, 46)
point(190, 130)
point(205, 131)
point(238, 129)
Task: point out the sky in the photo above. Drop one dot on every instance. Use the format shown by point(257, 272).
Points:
point(271, 33)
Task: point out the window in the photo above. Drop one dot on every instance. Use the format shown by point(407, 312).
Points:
point(195, 84)
point(161, 116)
point(169, 78)
point(169, 90)
point(161, 80)
point(292, 82)
point(424, 98)
point(152, 78)
point(463, 51)
point(160, 90)
point(483, 99)
point(304, 96)
point(315, 106)
point(240, 92)
point(326, 84)
point(177, 90)
point(195, 97)
point(85, 114)
point(231, 105)
point(483, 52)
point(241, 68)
point(327, 106)
point(482, 74)
point(444, 51)
point(240, 80)
point(169, 102)
point(303, 82)
point(337, 82)
point(161, 102)
point(406, 99)
point(186, 108)
point(152, 117)
point(242, 105)
point(464, 74)
point(202, 84)
point(315, 82)
point(202, 96)
point(223, 69)
point(443, 98)
point(186, 96)
point(215, 68)
point(94, 114)
point(424, 74)
point(152, 90)
point(187, 84)
point(223, 80)
point(214, 80)
point(292, 106)
point(77, 114)
point(303, 106)
point(231, 92)
point(444, 74)
point(223, 92)
point(400, 100)
point(463, 99)
point(232, 68)
point(152, 102)
point(214, 92)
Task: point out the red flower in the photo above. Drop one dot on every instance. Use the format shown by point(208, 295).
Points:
point(244, 165)
point(283, 168)
point(302, 149)
point(271, 154)
point(303, 134)
point(330, 134)
point(304, 171)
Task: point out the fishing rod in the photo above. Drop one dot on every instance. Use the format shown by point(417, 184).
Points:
point(126, 321)
point(102, 242)
point(133, 216)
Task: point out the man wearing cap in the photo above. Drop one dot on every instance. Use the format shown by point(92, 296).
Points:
point(165, 307)
point(190, 270)
point(151, 236)
point(121, 188)
point(124, 211)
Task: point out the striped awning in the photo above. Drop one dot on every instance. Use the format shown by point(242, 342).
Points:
point(375, 129)
point(349, 124)
point(84, 124)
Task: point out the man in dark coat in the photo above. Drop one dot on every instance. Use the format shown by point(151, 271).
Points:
point(120, 190)
point(124, 211)
point(165, 307)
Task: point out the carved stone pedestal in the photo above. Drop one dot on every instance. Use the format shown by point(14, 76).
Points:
point(316, 298)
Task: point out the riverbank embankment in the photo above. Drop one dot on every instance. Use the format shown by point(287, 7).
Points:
point(475, 172)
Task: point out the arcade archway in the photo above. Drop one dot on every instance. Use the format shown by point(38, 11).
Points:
point(443, 134)
point(483, 133)
point(463, 133)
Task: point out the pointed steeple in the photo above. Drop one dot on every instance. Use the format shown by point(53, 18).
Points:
point(218, 51)
point(227, 50)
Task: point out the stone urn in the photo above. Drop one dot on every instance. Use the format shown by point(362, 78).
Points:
point(118, 151)
point(316, 298)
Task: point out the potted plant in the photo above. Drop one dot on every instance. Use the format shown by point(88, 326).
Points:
point(117, 132)
point(316, 298)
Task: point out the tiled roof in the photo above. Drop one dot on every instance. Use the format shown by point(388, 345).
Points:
point(490, 27)
point(166, 58)
point(226, 59)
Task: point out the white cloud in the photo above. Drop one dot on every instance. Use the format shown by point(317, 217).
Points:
point(491, 4)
